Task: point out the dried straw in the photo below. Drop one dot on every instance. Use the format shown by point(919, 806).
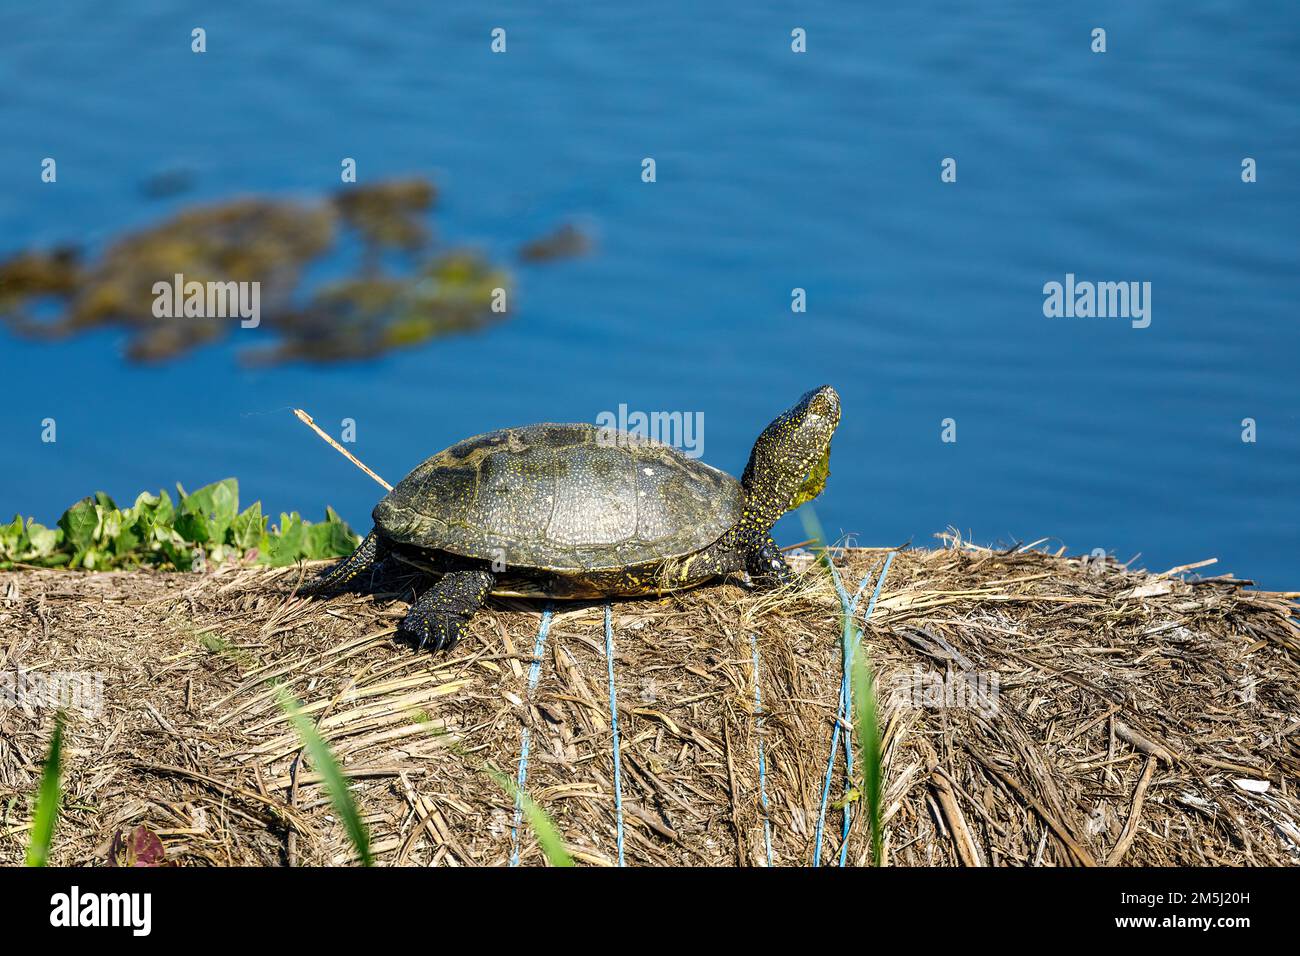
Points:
point(1035, 709)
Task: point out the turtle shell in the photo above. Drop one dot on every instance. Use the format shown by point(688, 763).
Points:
point(563, 498)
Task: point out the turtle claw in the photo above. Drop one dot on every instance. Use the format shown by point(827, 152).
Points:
point(440, 617)
point(774, 577)
point(437, 632)
point(768, 567)
point(782, 575)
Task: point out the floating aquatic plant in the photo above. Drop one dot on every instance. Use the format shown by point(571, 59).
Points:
point(188, 281)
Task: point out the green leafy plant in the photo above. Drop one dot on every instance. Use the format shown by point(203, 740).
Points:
point(47, 800)
point(337, 785)
point(94, 534)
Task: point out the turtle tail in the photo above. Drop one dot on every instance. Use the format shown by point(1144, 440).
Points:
point(368, 553)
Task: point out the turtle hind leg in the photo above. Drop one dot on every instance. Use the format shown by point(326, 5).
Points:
point(441, 616)
point(369, 552)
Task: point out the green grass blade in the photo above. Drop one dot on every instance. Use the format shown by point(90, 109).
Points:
point(868, 726)
point(47, 800)
point(547, 835)
point(335, 782)
point(812, 527)
point(862, 686)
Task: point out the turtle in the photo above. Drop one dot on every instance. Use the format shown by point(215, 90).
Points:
point(577, 511)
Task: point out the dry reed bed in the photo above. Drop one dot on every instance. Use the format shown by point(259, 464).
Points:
point(1036, 709)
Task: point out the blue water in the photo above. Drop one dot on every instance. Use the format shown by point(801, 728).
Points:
point(775, 171)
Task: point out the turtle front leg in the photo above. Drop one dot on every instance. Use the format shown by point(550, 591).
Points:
point(767, 565)
point(737, 551)
point(441, 616)
point(369, 552)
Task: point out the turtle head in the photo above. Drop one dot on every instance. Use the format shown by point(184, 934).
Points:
point(789, 463)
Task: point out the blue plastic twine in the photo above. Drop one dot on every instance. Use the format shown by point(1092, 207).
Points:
point(613, 717)
point(849, 607)
point(534, 672)
point(762, 763)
